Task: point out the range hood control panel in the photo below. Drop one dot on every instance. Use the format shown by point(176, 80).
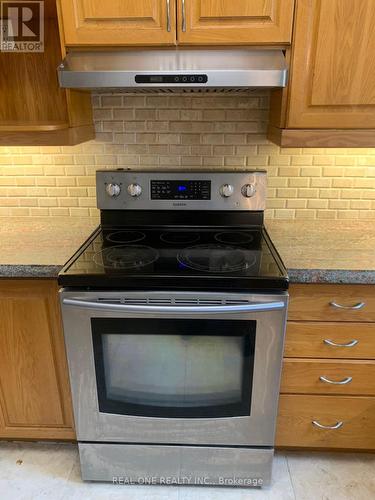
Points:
point(125, 189)
point(163, 79)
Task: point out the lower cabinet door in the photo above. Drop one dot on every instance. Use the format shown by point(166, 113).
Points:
point(35, 400)
point(326, 422)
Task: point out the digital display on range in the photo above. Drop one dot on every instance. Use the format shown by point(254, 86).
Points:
point(180, 190)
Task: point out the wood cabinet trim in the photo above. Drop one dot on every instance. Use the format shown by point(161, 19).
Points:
point(322, 138)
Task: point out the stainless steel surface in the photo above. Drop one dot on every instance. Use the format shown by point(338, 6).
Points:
point(240, 68)
point(142, 463)
point(150, 309)
point(360, 305)
point(330, 427)
point(352, 343)
point(248, 190)
point(257, 429)
point(183, 11)
point(344, 381)
point(168, 15)
point(237, 201)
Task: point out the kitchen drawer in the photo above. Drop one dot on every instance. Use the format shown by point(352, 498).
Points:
point(346, 340)
point(302, 376)
point(296, 414)
point(316, 303)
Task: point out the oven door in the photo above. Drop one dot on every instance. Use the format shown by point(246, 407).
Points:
point(174, 368)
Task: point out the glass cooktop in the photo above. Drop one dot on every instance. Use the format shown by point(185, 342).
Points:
point(176, 257)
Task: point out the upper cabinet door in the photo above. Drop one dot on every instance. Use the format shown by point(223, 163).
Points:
point(215, 22)
point(119, 22)
point(333, 65)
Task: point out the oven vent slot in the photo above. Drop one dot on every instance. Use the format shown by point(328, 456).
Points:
point(161, 301)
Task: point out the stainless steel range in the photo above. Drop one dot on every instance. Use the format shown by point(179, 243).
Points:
point(174, 315)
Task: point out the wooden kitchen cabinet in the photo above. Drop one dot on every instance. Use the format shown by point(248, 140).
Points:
point(34, 111)
point(214, 22)
point(199, 22)
point(330, 100)
point(339, 345)
point(120, 22)
point(35, 399)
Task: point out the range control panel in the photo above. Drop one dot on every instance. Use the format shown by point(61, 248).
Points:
point(180, 190)
point(171, 190)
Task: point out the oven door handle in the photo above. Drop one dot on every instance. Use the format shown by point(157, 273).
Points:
point(228, 309)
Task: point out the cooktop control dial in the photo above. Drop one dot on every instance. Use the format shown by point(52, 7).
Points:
point(134, 190)
point(226, 190)
point(248, 190)
point(113, 190)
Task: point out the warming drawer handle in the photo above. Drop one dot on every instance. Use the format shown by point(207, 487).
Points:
point(352, 343)
point(344, 381)
point(333, 427)
point(356, 307)
point(230, 309)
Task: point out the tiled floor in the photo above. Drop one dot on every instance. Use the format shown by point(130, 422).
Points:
point(51, 471)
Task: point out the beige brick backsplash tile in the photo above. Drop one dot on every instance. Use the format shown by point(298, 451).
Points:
point(213, 131)
point(301, 160)
point(79, 212)
point(326, 214)
point(213, 161)
point(342, 182)
point(305, 213)
point(286, 192)
point(310, 171)
point(279, 160)
point(333, 171)
point(110, 101)
point(296, 203)
point(345, 160)
point(114, 126)
point(19, 212)
point(321, 182)
point(321, 203)
point(128, 138)
point(284, 213)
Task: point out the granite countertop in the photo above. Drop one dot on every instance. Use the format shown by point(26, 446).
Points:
point(40, 246)
point(335, 251)
point(313, 251)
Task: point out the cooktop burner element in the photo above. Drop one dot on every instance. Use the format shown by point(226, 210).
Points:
point(126, 256)
point(215, 258)
point(234, 237)
point(179, 237)
point(126, 236)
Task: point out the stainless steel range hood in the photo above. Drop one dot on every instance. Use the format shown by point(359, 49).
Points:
point(174, 70)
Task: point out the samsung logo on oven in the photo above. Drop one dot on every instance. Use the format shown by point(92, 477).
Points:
point(179, 204)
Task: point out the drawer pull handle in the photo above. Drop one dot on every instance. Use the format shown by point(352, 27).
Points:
point(360, 305)
point(344, 381)
point(352, 343)
point(329, 427)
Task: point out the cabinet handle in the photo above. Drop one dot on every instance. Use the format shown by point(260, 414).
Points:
point(344, 381)
point(360, 305)
point(337, 425)
point(183, 27)
point(352, 343)
point(168, 15)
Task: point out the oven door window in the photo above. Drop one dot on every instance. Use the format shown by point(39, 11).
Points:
point(174, 368)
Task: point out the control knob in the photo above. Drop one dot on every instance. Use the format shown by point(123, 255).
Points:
point(113, 190)
point(226, 190)
point(248, 190)
point(134, 190)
